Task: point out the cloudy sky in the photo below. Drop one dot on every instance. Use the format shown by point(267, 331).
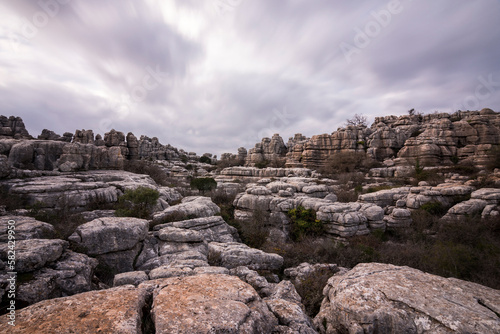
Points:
point(214, 75)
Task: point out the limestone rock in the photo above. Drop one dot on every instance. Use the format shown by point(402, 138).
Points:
point(259, 283)
point(26, 228)
point(5, 166)
point(210, 303)
point(117, 310)
point(232, 255)
point(34, 254)
point(84, 137)
point(110, 234)
point(114, 138)
point(382, 298)
point(190, 207)
point(71, 274)
point(13, 127)
point(131, 277)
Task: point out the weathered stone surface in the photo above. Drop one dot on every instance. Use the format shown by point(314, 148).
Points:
point(382, 298)
point(132, 277)
point(71, 274)
point(78, 190)
point(211, 228)
point(306, 271)
point(110, 234)
point(290, 316)
point(114, 138)
point(259, 283)
point(234, 255)
point(13, 127)
point(174, 234)
point(84, 136)
point(25, 228)
point(470, 207)
point(210, 304)
point(116, 310)
point(191, 207)
point(34, 254)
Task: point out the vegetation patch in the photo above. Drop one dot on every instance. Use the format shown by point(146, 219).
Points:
point(304, 223)
point(203, 184)
point(138, 203)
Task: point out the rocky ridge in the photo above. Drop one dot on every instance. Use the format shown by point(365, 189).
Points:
point(440, 138)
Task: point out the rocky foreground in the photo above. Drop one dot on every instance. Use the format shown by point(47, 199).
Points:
point(184, 269)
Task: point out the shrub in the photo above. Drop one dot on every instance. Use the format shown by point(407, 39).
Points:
point(262, 164)
point(137, 203)
point(203, 184)
point(254, 232)
point(311, 291)
point(206, 160)
point(304, 223)
point(357, 120)
point(347, 162)
point(434, 208)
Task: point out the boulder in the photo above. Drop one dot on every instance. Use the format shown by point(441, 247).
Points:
point(210, 304)
point(190, 207)
point(132, 277)
point(25, 228)
point(211, 228)
point(110, 234)
point(383, 298)
point(233, 254)
point(71, 274)
point(117, 310)
point(34, 254)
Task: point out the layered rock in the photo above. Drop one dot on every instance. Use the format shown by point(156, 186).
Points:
point(115, 242)
point(382, 298)
point(268, 150)
point(79, 190)
point(13, 127)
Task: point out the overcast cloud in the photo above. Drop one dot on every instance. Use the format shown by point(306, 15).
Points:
point(214, 75)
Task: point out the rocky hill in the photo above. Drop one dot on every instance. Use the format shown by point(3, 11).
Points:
point(435, 139)
point(110, 236)
point(76, 152)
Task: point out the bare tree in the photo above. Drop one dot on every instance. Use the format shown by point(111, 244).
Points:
point(357, 120)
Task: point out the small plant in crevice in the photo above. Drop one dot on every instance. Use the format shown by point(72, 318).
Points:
point(137, 202)
point(304, 223)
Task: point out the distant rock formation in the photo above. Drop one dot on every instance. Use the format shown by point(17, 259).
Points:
point(434, 139)
point(13, 127)
point(78, 152)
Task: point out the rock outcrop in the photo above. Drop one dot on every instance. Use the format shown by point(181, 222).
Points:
point(465, 136)
point(382, 298)
point(13, 127)
point(116, 310)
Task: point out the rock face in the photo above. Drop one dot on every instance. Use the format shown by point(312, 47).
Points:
point(79, 190)
point(382, 298)
point(464, 136)
point(210, 304)
point(13, 127)
point(115, 242)
point(191, 207)
point(26, 228)
point(117, 310)
point(269, 149)
point(232, 255)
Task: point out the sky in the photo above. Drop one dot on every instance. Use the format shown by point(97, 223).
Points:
point(215, 75)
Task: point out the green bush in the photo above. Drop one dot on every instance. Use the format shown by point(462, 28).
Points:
point(137, 203)
point(262, 164)
point(203, 184)
point(304, 223)
point(206, 160)
point(434, 208)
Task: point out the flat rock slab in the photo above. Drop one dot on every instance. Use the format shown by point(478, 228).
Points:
point(382, 298)
point(110, 234)
point(33, 254)
point(116, 310)
point(210, 304)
